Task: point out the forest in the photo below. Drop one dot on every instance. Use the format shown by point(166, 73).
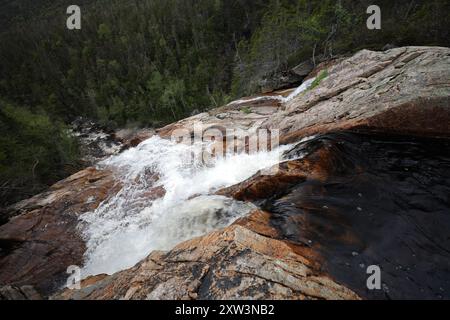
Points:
point(146, 63)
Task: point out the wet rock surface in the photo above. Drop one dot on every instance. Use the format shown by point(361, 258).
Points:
point(96, 142)
point(360, 200)
point(38, 245)
point(363, 192)
point(16, 293)
point(345, 201)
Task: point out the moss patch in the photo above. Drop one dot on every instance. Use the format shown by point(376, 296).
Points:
point(322, 75)
point(246, 110)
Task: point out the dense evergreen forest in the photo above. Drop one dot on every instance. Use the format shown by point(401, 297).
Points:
point(150, 62)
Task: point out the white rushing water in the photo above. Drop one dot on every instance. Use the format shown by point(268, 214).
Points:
point(302, 88)
point(128, 226)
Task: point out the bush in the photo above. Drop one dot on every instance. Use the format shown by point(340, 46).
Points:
point(35, 152)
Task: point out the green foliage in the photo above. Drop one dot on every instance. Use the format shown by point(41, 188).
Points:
point(139, 61)
point(151, 62)
point(155, 61)
point(246, 110)
point(322, 75)
point(104, 32)
point(294, 31)
point(34, 151)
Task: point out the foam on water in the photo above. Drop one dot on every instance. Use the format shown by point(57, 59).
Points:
point(302, 88)
point(131, 224)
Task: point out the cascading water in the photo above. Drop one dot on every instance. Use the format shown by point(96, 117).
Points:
point(134, 222)
point(302, 88)
point(166, 199)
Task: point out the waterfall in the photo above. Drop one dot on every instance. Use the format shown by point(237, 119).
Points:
point(127, 227)
point(300, 89)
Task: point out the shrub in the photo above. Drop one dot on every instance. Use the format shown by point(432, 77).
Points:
point(35, 151)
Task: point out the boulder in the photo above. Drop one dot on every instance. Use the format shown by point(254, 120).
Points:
point(280, 80)
point(303, 69)
point(290, 78)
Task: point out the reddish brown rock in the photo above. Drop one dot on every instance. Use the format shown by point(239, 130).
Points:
point(403, 90)
point(348, 201)
point(356, 200)
point(235, 263)
point(38, 245)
